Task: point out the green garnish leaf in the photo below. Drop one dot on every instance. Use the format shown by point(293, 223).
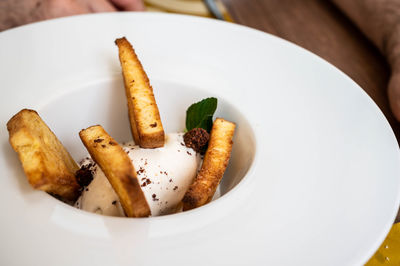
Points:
point(200, 114)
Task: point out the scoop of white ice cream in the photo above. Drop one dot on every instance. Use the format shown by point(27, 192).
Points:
point(164, 173)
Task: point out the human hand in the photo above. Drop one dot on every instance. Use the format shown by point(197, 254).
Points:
point(15, 13)
point(392, 52)
point(379, 20)
point(128, 5)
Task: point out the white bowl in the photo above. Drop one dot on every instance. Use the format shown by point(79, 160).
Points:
point(314, 177)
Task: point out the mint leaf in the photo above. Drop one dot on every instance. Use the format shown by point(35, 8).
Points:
point(200, 114)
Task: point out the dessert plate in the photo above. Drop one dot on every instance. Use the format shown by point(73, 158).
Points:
point(314, 177)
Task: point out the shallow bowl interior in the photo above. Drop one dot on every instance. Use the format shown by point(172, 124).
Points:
point(104, 103)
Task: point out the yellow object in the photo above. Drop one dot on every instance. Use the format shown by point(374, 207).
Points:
point(188, 7)
point(389, 252)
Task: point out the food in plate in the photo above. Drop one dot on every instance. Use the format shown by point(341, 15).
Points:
point(144, 117)
point(47, 164)
point(118, 168)
point(215, 162)
point(164, 175)
point(156, 174)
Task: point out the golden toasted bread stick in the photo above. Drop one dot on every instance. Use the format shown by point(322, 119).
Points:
point(214, 164)
point(47, 164)
point(146, 126)
point(118, 169)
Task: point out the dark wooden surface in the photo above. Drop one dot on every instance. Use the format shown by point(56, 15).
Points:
point(320, 27)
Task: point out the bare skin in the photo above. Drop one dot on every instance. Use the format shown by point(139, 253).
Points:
point(14, 13)
point(379, 20)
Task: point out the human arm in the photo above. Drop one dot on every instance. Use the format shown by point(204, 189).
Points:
point(379, 20)
point(16, 13)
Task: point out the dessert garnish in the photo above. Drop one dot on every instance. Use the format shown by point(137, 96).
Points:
point(84, 175)
point(146, 126)
point(118, 168)
point(199, 121)
point(200, 114)
point(156, 175)
point(47, 164)
point(165, 172)
point(197, 139)
point(214, 164)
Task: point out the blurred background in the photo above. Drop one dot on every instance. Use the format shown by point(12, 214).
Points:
point(204, 8)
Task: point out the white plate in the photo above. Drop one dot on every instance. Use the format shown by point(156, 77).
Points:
point(321, 162)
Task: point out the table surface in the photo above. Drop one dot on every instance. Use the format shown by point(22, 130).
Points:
point(318, 26)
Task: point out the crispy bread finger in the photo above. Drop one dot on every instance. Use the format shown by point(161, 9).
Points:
point(214, 164)
point(47, 164)
point(146, 126)
point(118, 169)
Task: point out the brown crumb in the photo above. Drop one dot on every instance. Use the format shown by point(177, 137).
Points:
point(154, 196)
point(175, 188)
point(84, 175)
point(197, 139)
point(140, 171)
